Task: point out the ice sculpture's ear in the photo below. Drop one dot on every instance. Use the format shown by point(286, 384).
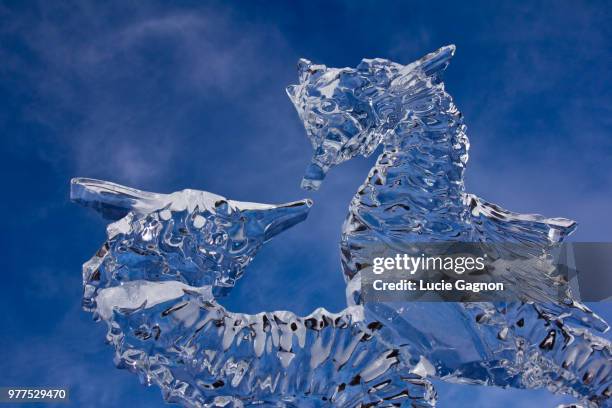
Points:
point(303, 68)
point(112, 201)
point(432, 64)
point(292, 92)
point(306, 69)
point(277, 218)
point(438, 60)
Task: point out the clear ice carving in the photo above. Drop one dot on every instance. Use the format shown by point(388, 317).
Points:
point(415, 193)
point(155, 282)
point(168, 259)
point(193, 237)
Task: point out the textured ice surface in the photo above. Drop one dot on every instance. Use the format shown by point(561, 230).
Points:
point(415, 193)
point(192, 237)
point(169, 257)
point(155, 282)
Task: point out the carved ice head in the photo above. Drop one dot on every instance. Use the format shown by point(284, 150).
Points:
point(348, 111)
point(191, 237)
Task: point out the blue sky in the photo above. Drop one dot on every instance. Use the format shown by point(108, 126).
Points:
point(167, 96)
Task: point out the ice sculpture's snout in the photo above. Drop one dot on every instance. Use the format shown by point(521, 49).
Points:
point(314, 175)
point(335, 138)
point(284, 216)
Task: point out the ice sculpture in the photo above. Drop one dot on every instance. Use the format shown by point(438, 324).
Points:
point(156, 281)
point(415, 193)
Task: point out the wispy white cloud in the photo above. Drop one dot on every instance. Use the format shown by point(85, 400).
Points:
point(115, 83)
